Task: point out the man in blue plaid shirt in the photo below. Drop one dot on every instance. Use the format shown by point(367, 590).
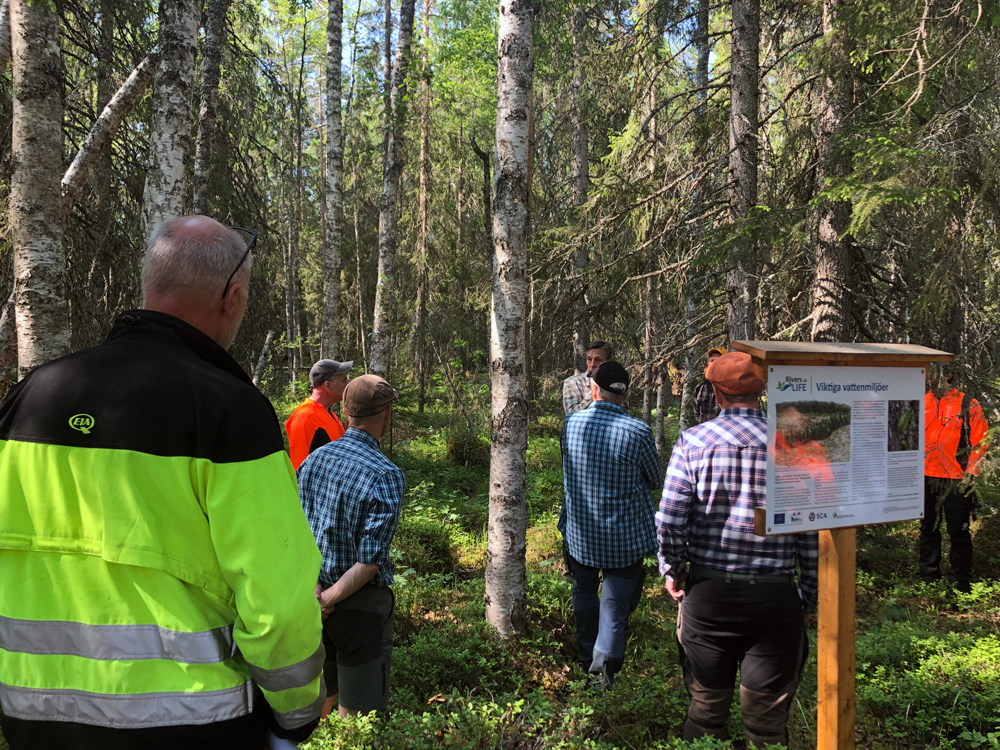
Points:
point(738, 603)
point(352, 495)
point(610, 465)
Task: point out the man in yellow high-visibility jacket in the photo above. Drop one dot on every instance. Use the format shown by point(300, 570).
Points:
point(157, 573)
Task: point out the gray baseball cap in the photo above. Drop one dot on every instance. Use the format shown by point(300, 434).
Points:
point(326, 369)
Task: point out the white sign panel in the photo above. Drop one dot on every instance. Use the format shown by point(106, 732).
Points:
point(845, 446)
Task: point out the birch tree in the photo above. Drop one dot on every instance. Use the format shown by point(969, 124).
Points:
point(4, 34)
point(98, 140)
point(211, 61)
point(40, 305)
point(741, 282)
point(386, 289)
point(505, 546)
point(333, 238)
point(173, 90)
point(832, 288)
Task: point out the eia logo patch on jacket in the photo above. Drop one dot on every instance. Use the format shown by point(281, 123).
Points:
point(82, 423)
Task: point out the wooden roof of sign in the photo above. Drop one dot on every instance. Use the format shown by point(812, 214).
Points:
point(804, 352)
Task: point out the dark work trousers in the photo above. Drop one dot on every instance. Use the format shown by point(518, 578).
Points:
point(756, 627)
point(945, 497)
point(602, 623)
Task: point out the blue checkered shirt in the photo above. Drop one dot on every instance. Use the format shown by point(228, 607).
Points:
point(352, 495)
point(716, 477)
point(610, 464)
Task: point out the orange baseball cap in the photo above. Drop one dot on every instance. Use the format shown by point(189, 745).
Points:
point(734, 375)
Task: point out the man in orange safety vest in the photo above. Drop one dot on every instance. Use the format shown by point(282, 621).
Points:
point(954, 442)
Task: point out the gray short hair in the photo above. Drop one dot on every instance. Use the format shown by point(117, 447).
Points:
point(175, 264)
point(615, 398)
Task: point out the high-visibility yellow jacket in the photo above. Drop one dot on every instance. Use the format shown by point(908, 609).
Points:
point(155, 562)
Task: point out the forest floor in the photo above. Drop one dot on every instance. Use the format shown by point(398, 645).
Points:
point(928, 660)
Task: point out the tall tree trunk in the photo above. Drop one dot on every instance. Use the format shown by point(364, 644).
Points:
point(505, 547)
point(831, 293)
point(41, 308)
point(173, 90)
point(258, 371)
point(8, 347)
point(362, 327)
point(693, 284)
point(330, 344)
point(460, 200)
point(580, 183)
point(211, 72)
point(664, 398)
point(301, 320)
point(100, 182)
point(741, 281)
point(651, 300)
point(287, 257)
point(385, 291)
point(4, 34)
point(420, 318)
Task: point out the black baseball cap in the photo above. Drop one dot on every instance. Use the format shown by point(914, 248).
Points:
point(612, 376)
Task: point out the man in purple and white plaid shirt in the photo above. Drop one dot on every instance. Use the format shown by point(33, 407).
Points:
point(738, 603)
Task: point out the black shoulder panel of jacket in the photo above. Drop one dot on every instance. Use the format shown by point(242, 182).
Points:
point(320, 438)
point(156, 385)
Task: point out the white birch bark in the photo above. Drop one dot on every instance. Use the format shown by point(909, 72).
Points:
point(330, 342)
point(258, 371)
point(385, 290)
point(8, 346)
point(741, 281)
point(505, 547)
point(4, 34)
point(173, 89)
point(103, 131)
point(211, 72)
point(41, 308)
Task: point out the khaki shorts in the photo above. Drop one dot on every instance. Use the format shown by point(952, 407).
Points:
point(358, 641)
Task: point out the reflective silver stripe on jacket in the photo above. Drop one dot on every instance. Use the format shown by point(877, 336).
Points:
point(116, 642)
point(302, 716)
point(292, 676)
point(127, 711)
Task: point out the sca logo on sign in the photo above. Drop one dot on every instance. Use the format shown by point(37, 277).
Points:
point(82, 423)
point(795, 385)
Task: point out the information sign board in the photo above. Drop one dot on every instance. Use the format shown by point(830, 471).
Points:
point(845, 446)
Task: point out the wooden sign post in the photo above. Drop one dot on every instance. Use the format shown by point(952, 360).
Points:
point(837, 542)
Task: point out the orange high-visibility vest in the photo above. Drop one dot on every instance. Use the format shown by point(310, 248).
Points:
point(302, 426)
point(943, 423)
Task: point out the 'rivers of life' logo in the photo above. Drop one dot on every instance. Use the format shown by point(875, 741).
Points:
point(82, 423)
point(794, 385)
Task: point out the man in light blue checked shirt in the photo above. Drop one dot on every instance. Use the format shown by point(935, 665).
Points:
point(352, 495)
point(610, 464)
point(739, 607)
